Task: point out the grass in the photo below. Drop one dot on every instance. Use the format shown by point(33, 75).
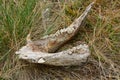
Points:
point(101, 32)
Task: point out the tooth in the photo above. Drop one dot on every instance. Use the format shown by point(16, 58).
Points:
point(69, 31)
point(57, 33)
point(62, 30)
point(72, 28)
point(70, 52)
point(78, 47)
point(74, 48)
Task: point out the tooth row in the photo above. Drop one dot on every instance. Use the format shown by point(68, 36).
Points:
point(68, 30)
point(84, 47)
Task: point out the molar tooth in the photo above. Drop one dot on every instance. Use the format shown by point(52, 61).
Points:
point(74, 48)
point(78, 47)
point(58, 32)
point(70, 52)
point(72, 28)
point(69, 31)
point(63, 30)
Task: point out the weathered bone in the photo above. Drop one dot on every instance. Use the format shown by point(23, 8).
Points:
point(51, 43)
point(41, 51)
point(73, 56)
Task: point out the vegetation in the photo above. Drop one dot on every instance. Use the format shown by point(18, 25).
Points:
point(40, 17)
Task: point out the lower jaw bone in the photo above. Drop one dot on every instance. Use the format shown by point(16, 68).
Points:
point(63, 58)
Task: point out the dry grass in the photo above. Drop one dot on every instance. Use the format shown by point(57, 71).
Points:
point(101, 31)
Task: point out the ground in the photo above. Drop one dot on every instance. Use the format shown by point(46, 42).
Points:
point(101, 31)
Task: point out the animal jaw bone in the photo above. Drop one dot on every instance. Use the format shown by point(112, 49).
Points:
point(73, 56)
point(42, 51)
point(51, 43)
